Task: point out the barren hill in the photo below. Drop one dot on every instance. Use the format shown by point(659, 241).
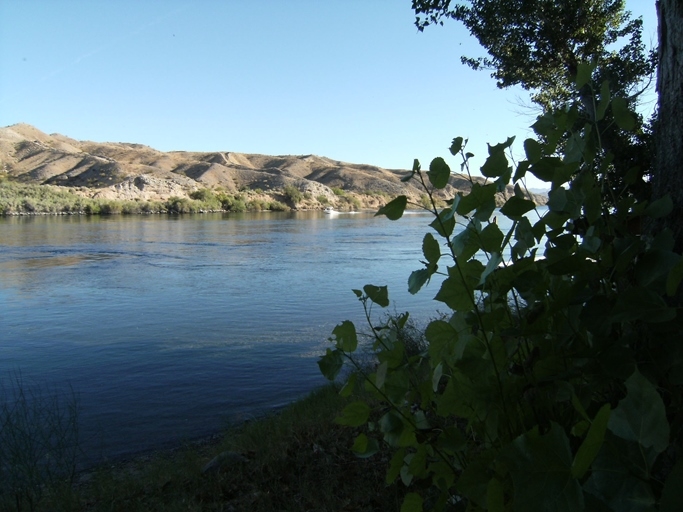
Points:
point(134, 171)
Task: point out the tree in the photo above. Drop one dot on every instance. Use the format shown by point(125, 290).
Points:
point(541, 45)
point(668, 176)
point(555, 381)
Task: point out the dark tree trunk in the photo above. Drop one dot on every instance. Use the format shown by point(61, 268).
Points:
point(668, 175)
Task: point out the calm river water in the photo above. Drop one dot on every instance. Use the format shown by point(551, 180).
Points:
point(170, 328)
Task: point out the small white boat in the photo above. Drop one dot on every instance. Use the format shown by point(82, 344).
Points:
point(329, 210)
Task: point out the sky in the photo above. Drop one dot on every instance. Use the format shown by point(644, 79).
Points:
point(351, 80)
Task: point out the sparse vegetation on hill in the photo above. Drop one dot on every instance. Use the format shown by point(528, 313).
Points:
point(132, 178)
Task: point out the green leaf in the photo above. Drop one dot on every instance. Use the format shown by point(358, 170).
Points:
point(641, 416)
point(672, 494)
point(354, 415)
point(430, 248)
point(394, 209)
point(591, 445)
point(494, 263)
point(381, 374)
point(583, 74)
point(502, 146)
point(495, 496)
point(496, 164)
point(623, 115)
point(653, 268)
point(441, 336)
point(619, 477)
point(436, 376)
point(455, 295)
point(330, 364)
point(456, 146)
point(478, 196)
point(466, 243)
point(673, 280)
point(521, 170)
point(417, 280)
point(524, 232)
point(364, 447)
point(660, 207)
point(346, 338)
point(377, 294)
point(540, 466)
point(457, 291)
point(395, 466)
point(515, 207)
point(412, 503)
point(547, 168)
point(473, 482)
point(349, 386)
point(418, 463)
point(444, 223)
point(491, 238)
point(438, 173)
point(638, 303)
point(533, 150)
point(604, 101)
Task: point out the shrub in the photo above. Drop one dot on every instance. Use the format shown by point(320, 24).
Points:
point(322, 199)
point(203, 194)
point(293, 194)
point(257, 205)
point(555, 382)
point(180, 205)
point(277, 206)
point(338, 191)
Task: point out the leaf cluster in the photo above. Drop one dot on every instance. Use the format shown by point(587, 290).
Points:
point(555, 382)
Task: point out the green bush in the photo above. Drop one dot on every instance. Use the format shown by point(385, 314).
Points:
point(203, 194)
point(338, 191)
point(293, 194)
point(277, 206)
point(322, 199)
point(556, 380)
point(180, 205)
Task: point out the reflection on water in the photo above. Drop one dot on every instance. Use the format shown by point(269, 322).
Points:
point(51, 261)
point(168, 327)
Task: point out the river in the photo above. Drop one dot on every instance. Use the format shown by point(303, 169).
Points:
point(170, 328)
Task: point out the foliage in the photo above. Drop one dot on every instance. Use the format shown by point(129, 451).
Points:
point(293, 194)
point(542, 45)
point(338, 191)
point(39, 446)
point(556, 381)
point(352, 201)
point(539, 44)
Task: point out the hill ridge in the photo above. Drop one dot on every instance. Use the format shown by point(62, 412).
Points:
point(124, 170)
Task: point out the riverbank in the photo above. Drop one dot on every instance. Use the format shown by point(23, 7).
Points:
point(18, 198)
point(298, 460)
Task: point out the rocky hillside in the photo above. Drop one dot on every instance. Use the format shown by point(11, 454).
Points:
point(127, 171)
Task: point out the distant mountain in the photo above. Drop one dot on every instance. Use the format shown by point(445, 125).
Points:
point(116, 170)
point(540, 191)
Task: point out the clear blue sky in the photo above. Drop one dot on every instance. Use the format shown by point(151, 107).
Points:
point(352, 80)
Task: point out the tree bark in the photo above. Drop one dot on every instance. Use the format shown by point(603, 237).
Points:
point(668, 175)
